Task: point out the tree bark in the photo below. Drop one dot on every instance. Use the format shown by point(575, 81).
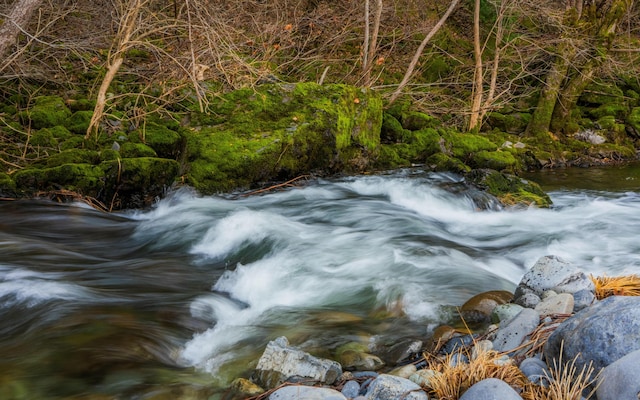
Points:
point(474, 118)
point(15, 22)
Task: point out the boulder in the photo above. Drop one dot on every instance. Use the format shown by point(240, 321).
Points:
point(491, 389)
point(602, 333)
point(535, 370)
point(620, 380)
point(306, 393)
point(514, 331)
point(280, 362)
point(550, 273)
point(386, 387)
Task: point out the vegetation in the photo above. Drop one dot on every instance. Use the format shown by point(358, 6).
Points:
point(184, 82)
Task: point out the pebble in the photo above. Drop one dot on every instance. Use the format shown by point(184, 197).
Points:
point(535, 370)
point(491, 389)
point(387, 387)
point(351, 389)
point(423, 377)
point(307, 393)
point(556, 304)
point(405, 371)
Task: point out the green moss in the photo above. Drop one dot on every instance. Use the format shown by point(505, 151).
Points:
point(72, 143)
point(164, 141)
point(43, 138)
point(7, 185)
point(602, 93)
point(391, 156)
point(443, 162)
point(435, 68)
point(280, 131)
point(60, 133)
point(614, 110)
point(509, 189)
point(464, 145)
point(511, 123)
point(391, 131)
point(131, 150)
point(86, 179)
point(48, 111)
point(73, 156)
point(81, 105)
point(109, 155)
point(498, 160)
point(414, 120)
point(79, 121)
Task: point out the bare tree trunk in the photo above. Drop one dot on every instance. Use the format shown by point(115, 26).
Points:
point(474, 118)
point(370, 41)
point(418, 53)
point(16, 22)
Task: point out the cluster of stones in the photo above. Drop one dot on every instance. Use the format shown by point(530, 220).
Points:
point(553, 296)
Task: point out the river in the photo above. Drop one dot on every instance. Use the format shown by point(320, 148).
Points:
point(180, 299)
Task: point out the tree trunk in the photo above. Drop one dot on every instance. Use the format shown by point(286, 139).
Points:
point(15, 22)
point(541, 118)
point(568, 97)
point(474, 119)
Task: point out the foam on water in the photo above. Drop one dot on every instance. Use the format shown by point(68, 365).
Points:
point(361, 244)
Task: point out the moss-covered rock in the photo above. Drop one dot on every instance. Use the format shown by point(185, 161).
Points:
point(599, 93)
point(414, 121)
point(514, 124)
point(48, 111)
point(7, 186)
point(43, 138)
point(280, 131)
point(132, 150)
point(464, 145)
point(498, 160)
point(165, 142)
point(443, 162)
point(509, 189)
point(138, 182)
point(86, 179)
point(391, 131)
point(613, 110)
point(73, 156)
point(78, 122)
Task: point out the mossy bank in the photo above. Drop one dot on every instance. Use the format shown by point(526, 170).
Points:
point(253, 137)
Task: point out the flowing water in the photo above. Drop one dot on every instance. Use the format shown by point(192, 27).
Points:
point(180, 299)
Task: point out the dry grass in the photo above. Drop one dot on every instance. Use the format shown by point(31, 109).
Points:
point(626, 285)
point(453, 381)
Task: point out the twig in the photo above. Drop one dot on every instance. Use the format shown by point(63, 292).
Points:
point(283, 184)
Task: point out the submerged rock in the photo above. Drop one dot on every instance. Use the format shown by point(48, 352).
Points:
point(280, 362)
point(479, 307)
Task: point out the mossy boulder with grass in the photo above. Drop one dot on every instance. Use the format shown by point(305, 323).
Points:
point(7, 186)
point(78, 122)
point(166, 142)
point(85, 179)
point(509, 189)
point(48, 111)
point(275, 132)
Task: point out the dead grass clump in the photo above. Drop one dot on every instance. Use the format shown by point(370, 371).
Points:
point(566, 382)
point(626, 285)
point(453, 381)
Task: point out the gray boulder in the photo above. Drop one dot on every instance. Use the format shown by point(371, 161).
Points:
point(535, 370)
point(491, 389)
point(602, 333)
point(621, 379)
point(551, 273)
point(513, 332)
point(281, 361)
point(306, 393)
point(387, 387)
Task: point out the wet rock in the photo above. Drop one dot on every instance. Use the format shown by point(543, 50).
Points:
point(602, 333)
point(457, 343)
point(505, 312)
point(386, 387)
point(307, 393)
point(359, 361)
point(405, 371)
point(527, 299)
point(281, 361)
point(491, 389)
point(516, 330)
point(350, 389)
point(479, 307)
point(423, 377)
point(620, 379)
point(559, 304)
point(536, 371)
point(242, 388)
point(401, 351)
point(583, 299)
point(551, 273)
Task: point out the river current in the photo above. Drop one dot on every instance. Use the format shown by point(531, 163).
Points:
point(183, 297)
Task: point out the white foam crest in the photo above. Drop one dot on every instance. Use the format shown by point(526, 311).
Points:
point(243, 227)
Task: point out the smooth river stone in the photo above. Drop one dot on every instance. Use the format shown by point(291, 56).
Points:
point(479, 307)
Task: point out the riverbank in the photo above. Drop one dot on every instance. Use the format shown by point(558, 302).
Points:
point(560, 335)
